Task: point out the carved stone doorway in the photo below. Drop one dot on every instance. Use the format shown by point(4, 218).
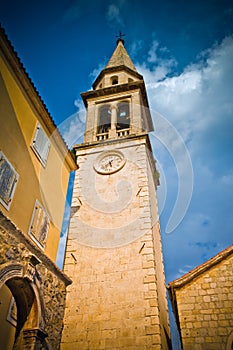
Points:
point(28, 334)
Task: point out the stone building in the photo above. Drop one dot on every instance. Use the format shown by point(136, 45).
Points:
point(202, 302)
point(114, 256)
point(34, 171)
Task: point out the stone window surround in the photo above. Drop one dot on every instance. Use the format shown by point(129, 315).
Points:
point(46, 217)
point(12, 186)
point(114, 79)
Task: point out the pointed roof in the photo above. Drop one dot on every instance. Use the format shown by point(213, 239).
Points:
point(120, 57)
point(118, 61)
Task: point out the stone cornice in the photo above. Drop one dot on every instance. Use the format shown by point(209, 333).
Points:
point(143, 135)
point(113, 70)
point(135, 85)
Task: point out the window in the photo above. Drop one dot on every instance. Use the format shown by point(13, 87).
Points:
point(41, 145)
point(114, 80)
point(123, 118)
point(8, 181)
point(104, 119)
point(39, 225)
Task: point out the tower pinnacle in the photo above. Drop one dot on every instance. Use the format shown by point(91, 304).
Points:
point(120, 38)
point(120, 56)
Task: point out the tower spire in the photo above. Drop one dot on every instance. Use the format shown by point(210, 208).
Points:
point(120, 56)
point(120, 38)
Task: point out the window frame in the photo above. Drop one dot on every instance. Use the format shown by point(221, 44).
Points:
point(42, 158)
point(104, 108)
point(114, 80)
point(7, 203)
point(120, 109)
point(33, 218)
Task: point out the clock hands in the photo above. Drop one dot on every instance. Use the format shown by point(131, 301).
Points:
point(110, 163)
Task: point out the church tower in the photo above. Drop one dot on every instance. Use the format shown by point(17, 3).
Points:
point(114, 256)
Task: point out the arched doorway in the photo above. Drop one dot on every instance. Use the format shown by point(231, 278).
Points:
point(24, 309)
point(8, 318)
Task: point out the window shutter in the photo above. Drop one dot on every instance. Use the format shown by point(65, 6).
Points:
point(41, 144)
point(39, 224)
point(8, 179)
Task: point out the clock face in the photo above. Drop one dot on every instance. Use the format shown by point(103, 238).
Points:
point(109, 162)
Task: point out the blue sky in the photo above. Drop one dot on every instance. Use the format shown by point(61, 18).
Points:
point(184, 49)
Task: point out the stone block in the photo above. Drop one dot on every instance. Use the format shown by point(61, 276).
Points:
point(153, 302)
point(152, 311)
point(149, 279)
point(155, 320)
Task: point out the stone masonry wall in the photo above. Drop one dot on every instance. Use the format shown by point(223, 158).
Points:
point(159, 265)
point(205, 307)
point(45, 277)
point(113, 301)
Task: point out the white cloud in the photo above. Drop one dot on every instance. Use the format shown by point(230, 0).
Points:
point(160, 66)
point(114, 14)
point(72, 13)
point(135, 47)
point(72, 128)
point(198, 102)
point(227, 179)
point(152, 55)
point(183, 271)
point(93, 75)
point(200, 96)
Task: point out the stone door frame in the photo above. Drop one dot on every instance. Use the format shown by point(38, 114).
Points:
point(21, 279)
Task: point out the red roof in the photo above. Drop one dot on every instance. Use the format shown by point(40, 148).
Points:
point(201, 268)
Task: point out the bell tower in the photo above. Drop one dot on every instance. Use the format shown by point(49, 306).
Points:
point(114, 255)
point(117, 106)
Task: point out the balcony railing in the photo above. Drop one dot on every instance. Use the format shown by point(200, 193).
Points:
point(119, 133)
point(103, 136)
point(122, 132)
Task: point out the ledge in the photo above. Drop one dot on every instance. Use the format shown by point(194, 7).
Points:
point(7, 225)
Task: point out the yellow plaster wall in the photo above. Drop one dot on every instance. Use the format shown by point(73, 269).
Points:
point(18, 121)
point(7, 330)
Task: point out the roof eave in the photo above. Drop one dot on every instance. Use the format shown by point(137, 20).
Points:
point(113, 70)
point(179, 282)
point(29, 88)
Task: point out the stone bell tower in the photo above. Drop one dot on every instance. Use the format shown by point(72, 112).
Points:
point(118, 296)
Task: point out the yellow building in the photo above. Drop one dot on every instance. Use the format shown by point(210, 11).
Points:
point(34, 171)
point(202, 302)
